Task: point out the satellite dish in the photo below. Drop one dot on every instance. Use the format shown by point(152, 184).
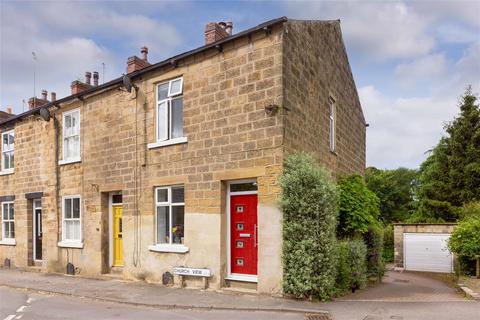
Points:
point(127, 83)
point(45, 114)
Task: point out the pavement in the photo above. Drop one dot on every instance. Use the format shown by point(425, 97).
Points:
point(400, 296)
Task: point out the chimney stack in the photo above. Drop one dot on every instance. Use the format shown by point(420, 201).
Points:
point(95, 78)
point(135, 63)
point(88, 77)
point(53, 96)
point(215, 31)
point(144, 52)
point(44, 95)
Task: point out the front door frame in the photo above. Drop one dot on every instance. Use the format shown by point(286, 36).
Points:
point(34, 238)
point(111, 204)
point(230, 275)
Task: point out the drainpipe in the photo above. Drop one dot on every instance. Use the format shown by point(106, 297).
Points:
point(57, 176)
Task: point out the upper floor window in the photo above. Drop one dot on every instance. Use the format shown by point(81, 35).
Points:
point(332, 115)
point(170, 110)
point(8, 146)
point(71, 135)
point(8, 220)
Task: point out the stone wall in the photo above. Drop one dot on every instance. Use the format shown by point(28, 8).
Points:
point(400, 229)
point(316, 68)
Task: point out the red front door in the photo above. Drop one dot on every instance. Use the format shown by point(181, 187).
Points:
point(244, 234)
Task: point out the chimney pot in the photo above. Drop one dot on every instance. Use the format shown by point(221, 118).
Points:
point(95, 78)
point(229, 27)
point(9, 110)
point(144, 52)
point(53, 96)
point(88, 77)
point(44, 95)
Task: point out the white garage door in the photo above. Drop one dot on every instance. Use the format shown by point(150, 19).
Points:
point(427, 252)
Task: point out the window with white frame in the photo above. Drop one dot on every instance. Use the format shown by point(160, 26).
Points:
point(170, 214)
point(71, 135)
point(170, 110)
point(8, 220)
point(8, 146)
point(331, 134)
point(71, 221)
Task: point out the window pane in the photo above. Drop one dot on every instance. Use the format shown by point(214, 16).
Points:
point(178, 213)
point(69, 229)
point(76, 208)
point(162, 195)
point(76, 146)
point(11, 212)
point(162, 121)
point(12, 139)
point(12, 230)
point(117, 198)
point(5, 211)
point(248, 186)
point(163, 91)
point(68, 208)
point(68, 123)
point(12, 161)
point(175, 87)
point(163, 225)
point(178, 194)
point(76, 230)
point(6, 161)
point(177, 118)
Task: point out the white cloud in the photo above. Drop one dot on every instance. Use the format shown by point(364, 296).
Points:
point(403, 129)
point(376, 30)
point(424, 68)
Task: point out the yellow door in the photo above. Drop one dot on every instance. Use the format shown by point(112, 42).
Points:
point(117, 236)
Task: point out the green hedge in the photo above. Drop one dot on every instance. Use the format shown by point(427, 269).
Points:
point(352, 266)
point(310, 207)
point(388, 245)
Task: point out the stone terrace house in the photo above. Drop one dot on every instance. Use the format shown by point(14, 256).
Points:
point(182, 169)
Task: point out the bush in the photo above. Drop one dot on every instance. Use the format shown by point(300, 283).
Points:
point(374, 242)
point(388, 244)
point(465, 241)
point(310, 207)
point(351, 266)
point(359, 207)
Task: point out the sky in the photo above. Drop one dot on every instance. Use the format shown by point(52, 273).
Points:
point(411, 60)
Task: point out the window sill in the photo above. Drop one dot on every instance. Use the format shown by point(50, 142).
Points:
point(175, 248)
point(6, 172)
point(167, 142)
point(68, 161)
point(8, 242)
point(70, 244)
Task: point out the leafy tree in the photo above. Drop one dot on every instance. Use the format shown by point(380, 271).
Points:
point(359, 207)
point(450, 176)
point(310, 209)
point(396, 191)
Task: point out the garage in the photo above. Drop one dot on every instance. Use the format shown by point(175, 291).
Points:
point(427, 252)
point(423, 247)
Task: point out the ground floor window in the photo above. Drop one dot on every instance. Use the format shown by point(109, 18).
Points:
point(8, 220)
point(71, 219)
point(170, 214)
